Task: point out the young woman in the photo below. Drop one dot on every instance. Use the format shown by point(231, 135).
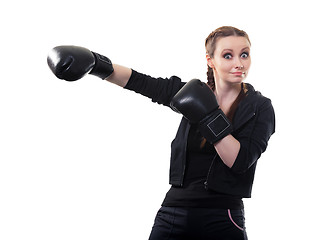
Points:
point(225, 129)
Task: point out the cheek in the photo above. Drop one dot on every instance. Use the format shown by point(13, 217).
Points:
point(248, 63)
point(226, 66)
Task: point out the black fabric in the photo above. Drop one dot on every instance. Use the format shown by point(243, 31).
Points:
point(159, 90)
point(174, 223)
point(253, 124)
point(194, 193)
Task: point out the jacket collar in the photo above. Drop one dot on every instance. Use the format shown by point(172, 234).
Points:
point(246, 109)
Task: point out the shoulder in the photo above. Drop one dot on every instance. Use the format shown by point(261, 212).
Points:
point(263, 108)
point(255, 106)
point(256, 98)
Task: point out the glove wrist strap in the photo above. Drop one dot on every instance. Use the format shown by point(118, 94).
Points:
point(103, 66)
point(215, 127)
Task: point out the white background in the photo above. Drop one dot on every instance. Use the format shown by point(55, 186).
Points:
point(89, 160)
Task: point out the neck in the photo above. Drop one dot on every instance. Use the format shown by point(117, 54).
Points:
point(226, 94)
point(226, 91)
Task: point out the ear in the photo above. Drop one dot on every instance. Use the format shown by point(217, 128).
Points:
point(209, 61)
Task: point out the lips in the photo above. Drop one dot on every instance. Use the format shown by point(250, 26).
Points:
point(238, 73)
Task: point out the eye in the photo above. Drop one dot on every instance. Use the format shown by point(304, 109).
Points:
point(244, 55)
point(227, 56)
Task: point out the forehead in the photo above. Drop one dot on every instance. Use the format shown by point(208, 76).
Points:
point(233, 43)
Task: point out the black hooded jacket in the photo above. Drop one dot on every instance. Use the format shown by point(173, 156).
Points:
point(253, 124)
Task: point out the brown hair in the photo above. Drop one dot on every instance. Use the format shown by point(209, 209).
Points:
point(210, 46)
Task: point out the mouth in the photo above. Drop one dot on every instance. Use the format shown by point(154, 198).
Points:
point(238, 73)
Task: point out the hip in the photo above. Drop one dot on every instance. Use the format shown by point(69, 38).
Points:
point(199, 223)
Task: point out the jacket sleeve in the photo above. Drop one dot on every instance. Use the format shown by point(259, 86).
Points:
point(254, 139)
point(159, 90)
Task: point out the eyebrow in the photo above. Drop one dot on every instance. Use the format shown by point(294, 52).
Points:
point(232, 49)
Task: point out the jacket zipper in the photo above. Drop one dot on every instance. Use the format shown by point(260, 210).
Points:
point(206, 181)
point(215, 156)
point(184, 166)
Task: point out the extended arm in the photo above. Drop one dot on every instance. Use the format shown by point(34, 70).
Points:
point(72, 63)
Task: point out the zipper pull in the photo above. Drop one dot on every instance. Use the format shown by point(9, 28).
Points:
point(206, 182)
point(206, 185)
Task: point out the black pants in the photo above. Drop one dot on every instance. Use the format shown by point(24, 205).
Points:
point(173, 223)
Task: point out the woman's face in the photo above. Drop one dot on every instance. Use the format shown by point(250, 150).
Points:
point(231, 60)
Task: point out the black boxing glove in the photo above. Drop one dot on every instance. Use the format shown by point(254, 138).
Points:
point(197, 102)
point(72, 63)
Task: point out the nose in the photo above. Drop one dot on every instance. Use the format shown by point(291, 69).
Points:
point(238, 63)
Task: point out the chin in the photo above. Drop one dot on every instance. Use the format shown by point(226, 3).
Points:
point(237, 81)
